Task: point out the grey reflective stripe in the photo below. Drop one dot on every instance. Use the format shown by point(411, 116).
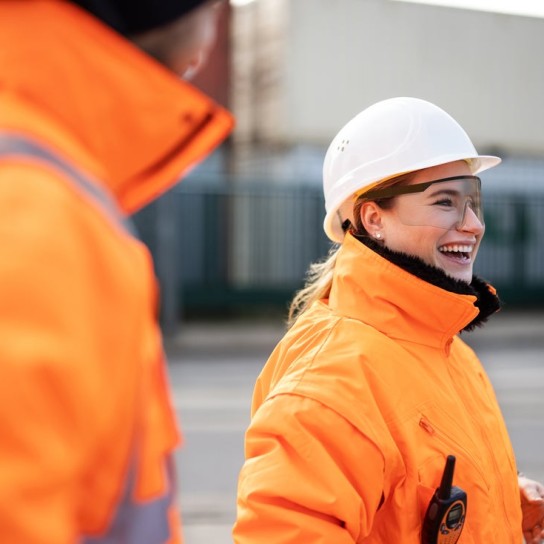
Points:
point(15, 145)
point(139, 523)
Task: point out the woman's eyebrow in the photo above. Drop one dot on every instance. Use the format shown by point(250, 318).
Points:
point(444, 191)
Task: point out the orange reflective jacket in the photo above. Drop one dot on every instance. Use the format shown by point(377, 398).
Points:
point(357, 409)
point(90, 129)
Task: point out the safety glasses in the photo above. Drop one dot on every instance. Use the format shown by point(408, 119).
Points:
point(439, 203)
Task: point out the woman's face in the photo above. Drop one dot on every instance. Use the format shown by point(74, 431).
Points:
point(426, 224)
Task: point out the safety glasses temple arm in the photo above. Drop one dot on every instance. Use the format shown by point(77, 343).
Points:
point(389, 192)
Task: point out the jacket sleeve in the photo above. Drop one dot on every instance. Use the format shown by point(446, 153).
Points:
point(309, 476)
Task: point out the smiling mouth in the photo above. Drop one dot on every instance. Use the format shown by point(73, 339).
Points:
point(460, 253)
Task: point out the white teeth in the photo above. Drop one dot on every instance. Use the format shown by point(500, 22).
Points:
point(456, 249)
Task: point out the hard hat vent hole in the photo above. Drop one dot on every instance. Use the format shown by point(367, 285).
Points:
point(342, 145)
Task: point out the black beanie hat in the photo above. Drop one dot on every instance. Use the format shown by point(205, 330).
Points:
point(134, 16)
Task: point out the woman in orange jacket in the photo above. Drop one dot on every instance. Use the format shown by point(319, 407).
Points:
point(371, 389)
point(91, 129)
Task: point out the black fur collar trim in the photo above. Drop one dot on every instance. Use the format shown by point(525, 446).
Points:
point(486, 301)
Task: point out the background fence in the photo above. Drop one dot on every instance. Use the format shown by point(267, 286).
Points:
point(235, 247)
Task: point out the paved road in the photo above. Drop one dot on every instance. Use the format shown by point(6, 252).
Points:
point(213, 369)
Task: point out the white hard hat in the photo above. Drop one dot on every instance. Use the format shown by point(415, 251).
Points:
point(390, 138)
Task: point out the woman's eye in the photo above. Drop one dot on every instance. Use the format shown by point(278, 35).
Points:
point(444, 202)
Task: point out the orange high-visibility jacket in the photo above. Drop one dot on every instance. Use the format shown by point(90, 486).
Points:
point(357, 409)
point(91, 129)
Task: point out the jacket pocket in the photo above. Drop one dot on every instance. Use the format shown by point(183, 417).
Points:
point(443, 443)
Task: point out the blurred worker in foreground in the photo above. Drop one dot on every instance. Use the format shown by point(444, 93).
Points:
point(92, 128)
point(372, 388)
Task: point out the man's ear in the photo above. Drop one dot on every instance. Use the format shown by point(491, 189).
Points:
point(371, 218)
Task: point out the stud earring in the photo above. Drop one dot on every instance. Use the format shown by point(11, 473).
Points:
point(378, 235)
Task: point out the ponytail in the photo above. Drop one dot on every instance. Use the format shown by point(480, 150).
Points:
point(318, 285)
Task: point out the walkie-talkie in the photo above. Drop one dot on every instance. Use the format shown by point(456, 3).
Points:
point(446, 513)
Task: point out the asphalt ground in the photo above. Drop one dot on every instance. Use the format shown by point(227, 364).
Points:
point(213, 366)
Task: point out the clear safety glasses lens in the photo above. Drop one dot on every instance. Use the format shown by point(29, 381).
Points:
point(442, 203)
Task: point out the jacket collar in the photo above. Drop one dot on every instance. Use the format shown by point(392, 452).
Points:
point(69, 79)
point(428, 308)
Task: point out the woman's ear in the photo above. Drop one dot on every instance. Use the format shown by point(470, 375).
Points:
point(372, 218)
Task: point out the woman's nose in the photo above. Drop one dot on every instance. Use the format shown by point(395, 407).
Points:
point(470, 221)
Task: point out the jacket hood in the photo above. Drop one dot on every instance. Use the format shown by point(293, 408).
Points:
point(370, 287)
point(128, 120)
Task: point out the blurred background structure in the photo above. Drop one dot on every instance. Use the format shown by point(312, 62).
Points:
point(238, 234)
point(234, 240)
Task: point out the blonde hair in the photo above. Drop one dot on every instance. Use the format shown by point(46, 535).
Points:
point(320, 274)
point(317, 285)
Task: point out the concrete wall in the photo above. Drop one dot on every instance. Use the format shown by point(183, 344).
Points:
point(484, 69)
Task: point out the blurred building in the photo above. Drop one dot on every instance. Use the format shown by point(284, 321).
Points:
point(299, 69)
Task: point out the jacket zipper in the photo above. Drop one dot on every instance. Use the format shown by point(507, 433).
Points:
point(496, 468)
point(498, 494)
